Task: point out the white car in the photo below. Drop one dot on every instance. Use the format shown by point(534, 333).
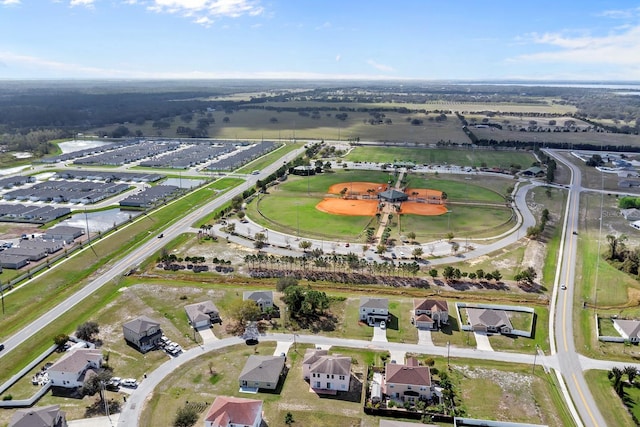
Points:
point(129, 382)
point(383, 325)
point(563, 286)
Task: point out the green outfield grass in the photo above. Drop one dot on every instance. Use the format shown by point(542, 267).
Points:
point(470, 157)
point(290, 207)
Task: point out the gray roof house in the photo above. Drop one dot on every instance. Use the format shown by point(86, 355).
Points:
point(13, 262)
point(202, 314)
point(143, 333)
point(44, 416)
point(489, 320)
point(326, 373)
point(63, 232)
point(631, 214)
point(72, 370)
point(261, 372)
point(628, 329)
point(373, 310)
point(264, 299)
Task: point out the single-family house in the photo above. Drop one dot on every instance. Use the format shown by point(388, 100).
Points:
point(44, 416)
point(430, 313)
point(373, 310)
point(325, 372)
point(143, 333)
point(407, 383)
point(13, 262)
point(72, 370)
point(234, 412)
point(264, 299)
point(202, 314)
point(489, 320)
point(63, 233)
point(628, 329)
point(262, 372)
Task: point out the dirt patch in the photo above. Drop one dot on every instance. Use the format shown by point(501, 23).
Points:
point(422, 209)
point(534, 255)
point(12, 230)
point(358, 188)
point(516, 392)
point(348, 207)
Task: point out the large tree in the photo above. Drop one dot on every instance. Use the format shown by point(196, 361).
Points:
point(244, 311)
point(87, 331)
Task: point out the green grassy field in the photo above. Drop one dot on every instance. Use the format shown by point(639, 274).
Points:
point(290, 207)
point(461, 157)
point(609, 404)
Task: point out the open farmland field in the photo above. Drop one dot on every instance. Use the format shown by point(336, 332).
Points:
point(595, 138)
point(462, 157)
point(289, 125)
point(461, 107)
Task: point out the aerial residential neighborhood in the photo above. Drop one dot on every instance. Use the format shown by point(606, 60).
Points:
point(250, 213)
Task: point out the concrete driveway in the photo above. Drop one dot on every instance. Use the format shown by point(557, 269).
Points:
point(379, 334)
point(482, 341)
point(282, 347)
point(206, 334)
point(424, 337)
point(95, 422)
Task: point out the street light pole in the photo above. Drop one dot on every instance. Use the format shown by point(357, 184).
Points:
point(535, 356)
point(448, 354)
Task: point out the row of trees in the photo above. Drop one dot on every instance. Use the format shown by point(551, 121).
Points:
point(621, 257)
point(536, 231)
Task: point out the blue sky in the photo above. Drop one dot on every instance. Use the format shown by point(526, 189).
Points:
point(320, 39)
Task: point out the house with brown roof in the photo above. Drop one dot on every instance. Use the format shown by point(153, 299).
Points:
point(202, 314)
point(373, 310)
point(44, 416)
point(407, 383)
point(234, 412)
point(489, 320)
point(325, 372)
point(430, 313)
point(628, 329)
point(72, 370)
point(142, 333)
point(261, 372)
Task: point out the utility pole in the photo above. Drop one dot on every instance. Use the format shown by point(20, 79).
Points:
point(448, 354)
point(535, 357)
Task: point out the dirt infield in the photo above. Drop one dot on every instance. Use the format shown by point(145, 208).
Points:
point(423, 193)
point(349, 207)
point(422, 208)
point(358, 187)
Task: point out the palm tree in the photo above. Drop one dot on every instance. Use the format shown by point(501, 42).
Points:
point(615, 374)
point(631, 373)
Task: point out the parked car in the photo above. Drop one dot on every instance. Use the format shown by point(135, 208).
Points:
point(383, 325)
point(129, 382)
point(1, 347)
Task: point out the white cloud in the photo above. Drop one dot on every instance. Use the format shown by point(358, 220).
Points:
point(620, 13)
point(616, 48)
point(85, 3)
point(46, 68)
point(338, 57)
point(206, 11)
point(10, 2)
point(380, 67)
point(324, 26)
